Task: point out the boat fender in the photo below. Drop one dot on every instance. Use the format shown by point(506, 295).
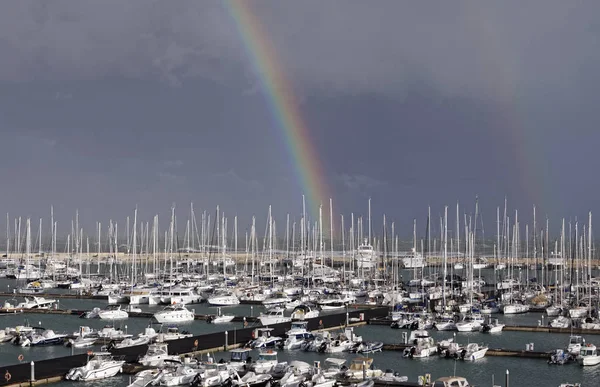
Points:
point(21, 357)
point(245, 323)
point(253, 335)
point(196, 343)
point(7, 376)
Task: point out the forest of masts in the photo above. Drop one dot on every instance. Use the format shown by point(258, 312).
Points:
point(210, 237)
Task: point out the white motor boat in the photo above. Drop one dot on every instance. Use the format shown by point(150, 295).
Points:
point(220, 318)
point(446, 323)
point(239, 359)
point(274, 316)
point(470, 323)
point(297, 335)
point(251, 379)
point(173, 333)
point(575, 344)
point(156, 355)
point(588, 355)
point(492, 327)
point(304, 312)
point(473, 351)
point(423, 345)
point(223, 300)
point(176, 313)
point(560, 322)
point(113, 312)
point(183, 375)
point(515, 308)
point(263, 339)
point(100, 365)
point(82, 342)
point(131, 342)
point(214, 375)
point(578, 312)
point(36, 303)
point(267, 360)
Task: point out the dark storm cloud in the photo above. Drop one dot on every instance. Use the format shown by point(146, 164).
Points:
point(107, 104)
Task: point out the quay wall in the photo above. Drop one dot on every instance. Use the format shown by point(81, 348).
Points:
point(52, 368)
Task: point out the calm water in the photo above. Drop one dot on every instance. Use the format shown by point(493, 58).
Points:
point(523, 372)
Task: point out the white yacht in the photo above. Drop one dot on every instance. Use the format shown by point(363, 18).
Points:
point(100, 365)
point(473, 351)
point(176, 313)
point(179, 295)
point(413, 259)
point(366, 257)
point(113, 312)
point(223, 300)
point(274, 316)
point(36, 303)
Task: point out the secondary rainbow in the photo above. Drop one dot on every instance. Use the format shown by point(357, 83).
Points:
point(282, 102)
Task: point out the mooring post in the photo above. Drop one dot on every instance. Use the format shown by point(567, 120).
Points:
point(226, 341)
point(506, 381)
point(364, 370)
point(32, 376)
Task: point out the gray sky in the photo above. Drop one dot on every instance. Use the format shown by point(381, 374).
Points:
point(109, 104)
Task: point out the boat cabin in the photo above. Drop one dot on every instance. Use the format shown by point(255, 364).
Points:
point(357, 363)
point(588, 350)
point(240, 354)
point(334, 363)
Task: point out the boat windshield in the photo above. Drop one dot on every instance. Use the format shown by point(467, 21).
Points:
point(267, 356)
point(239, 355)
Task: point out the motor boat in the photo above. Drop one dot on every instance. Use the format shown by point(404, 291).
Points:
point(369, 347)
point(297, 335)
point(81, 342)
point(239, 359)
point(588, 355)
point(213, 375)
point(470, 323)
point(220, 318)
point(473, 351)
point(274, 316)
point(36, 303)
point(251, 379)
point(422, 345)
point(147, 377)
point(176, 313)
point(263, 339)
point(181, 375)
point(446, 323)
point(156, 355)
point(304, 312)
point(100, 365)
point(560, 357)
point(492, 327)
point(266, 361)
point(130, 342)
point(223, 300)
point(45, 337)
point(113, 312)
point(179, 295)
point(173, 333)
point(575, 344)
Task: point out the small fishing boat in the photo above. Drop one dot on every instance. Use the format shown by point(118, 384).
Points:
point(100, 365)
point(220, 318)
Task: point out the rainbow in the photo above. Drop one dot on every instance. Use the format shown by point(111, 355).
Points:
point(282, 103)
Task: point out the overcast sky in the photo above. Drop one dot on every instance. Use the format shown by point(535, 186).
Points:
point(105, 105)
